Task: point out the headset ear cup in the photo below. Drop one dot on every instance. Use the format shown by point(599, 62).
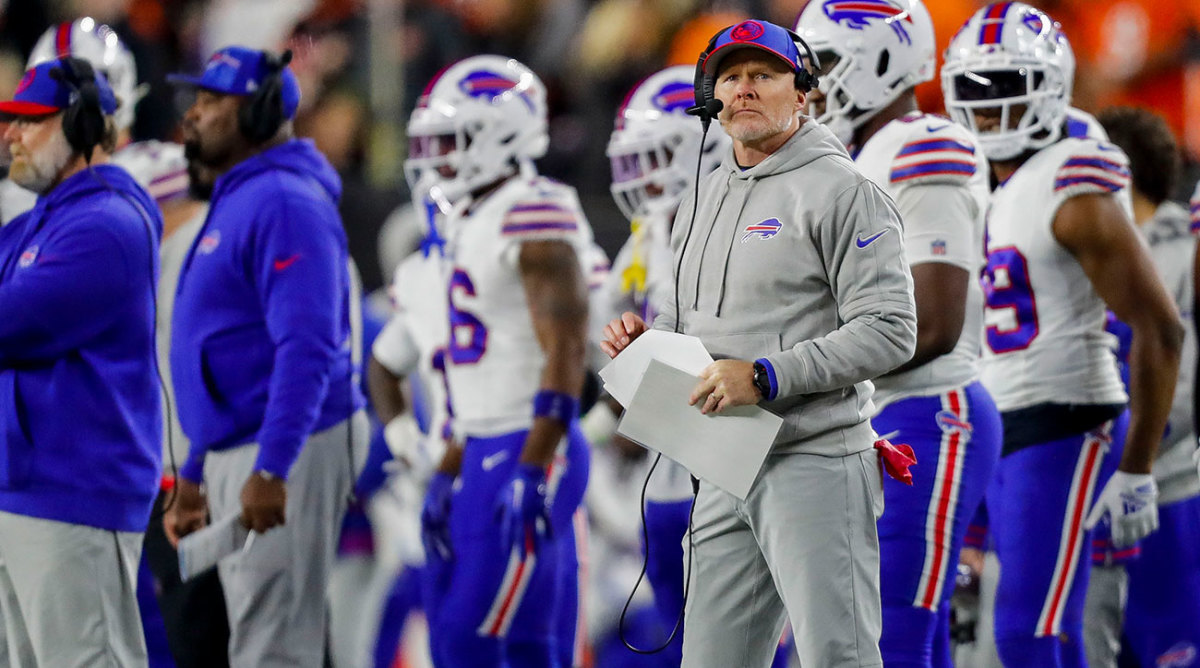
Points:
point(260, 117)
point(698, 83)
point(83, 121)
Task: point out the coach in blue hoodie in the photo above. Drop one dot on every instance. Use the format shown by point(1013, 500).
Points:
point(80, 421)
point(261, 357)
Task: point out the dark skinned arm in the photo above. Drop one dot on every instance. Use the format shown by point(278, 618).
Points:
point(384, 386)
point(1095, 230)
point(940, 291)
point(558, 308)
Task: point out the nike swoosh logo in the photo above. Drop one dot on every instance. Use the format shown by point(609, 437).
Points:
point(938, 128)
point(280, 265)
point(863, 243)
point(493, 460)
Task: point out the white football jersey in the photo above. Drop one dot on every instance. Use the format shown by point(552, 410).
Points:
point(1045, 340)
point(642, 281)
point(159, 167)
point(914, 159)
point(416, 334)
point(494, 361)
point(1173, 251)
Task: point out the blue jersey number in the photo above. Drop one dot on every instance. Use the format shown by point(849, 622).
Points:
point(1007, 287)
point(468, 335)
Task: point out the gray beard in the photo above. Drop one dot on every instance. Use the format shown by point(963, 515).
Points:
point(41, 169)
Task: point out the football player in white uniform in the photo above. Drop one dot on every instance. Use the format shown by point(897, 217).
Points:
point(656, 152)
point(1055, 228)
point(518, 252)
point(873, 54)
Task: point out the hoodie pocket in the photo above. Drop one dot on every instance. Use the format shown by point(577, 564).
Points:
point(236, 367)
point(748, 346)
point(16, 459)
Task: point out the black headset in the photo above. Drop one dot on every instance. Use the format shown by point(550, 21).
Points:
point(83, 121)
point(708, 106)
point(260, 117)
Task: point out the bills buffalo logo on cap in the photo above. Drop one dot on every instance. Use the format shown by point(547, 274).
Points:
point(26, 81)
point(675, 96)
point(28, 257)
point(764, 230)
point(209, 242)
point(746, 31)
point(950, 423)
point(858, 14)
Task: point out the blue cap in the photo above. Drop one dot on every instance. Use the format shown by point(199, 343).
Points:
point(236, 70)
point(757, 34)
point(40, 93)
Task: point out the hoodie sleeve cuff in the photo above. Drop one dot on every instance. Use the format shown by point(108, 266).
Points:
point(193, 469)
point(276, 463)
point(771, 376)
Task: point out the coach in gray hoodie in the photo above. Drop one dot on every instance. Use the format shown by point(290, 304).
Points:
point(793, 275)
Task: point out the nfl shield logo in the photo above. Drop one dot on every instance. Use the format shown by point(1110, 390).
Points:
point(938, 247)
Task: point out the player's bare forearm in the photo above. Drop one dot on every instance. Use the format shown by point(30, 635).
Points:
point(1096, 231)
point(384, 386)
point(558, 309)
point(1153, 370)
point(940, 292)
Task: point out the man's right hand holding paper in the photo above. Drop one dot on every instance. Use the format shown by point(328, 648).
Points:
point(621, 332)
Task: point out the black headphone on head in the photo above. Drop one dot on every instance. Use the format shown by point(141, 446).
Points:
point(708, 106)
point(259, 118)
point(83, 121)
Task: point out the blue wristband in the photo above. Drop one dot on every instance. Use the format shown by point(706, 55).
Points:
point(556, 406)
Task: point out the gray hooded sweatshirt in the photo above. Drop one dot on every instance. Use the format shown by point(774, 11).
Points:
point(798, 261)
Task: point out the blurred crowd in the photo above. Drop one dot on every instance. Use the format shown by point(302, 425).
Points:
point(363, 64)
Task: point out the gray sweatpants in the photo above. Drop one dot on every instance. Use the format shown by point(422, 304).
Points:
point(275, 590)
point(803, 546)
point(67, 594)
point(1104, 615)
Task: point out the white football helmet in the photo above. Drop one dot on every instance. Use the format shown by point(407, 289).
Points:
point(871, 50)
point(1010, 55)
point(481, 120)
point(654, 147)
point(99, 45)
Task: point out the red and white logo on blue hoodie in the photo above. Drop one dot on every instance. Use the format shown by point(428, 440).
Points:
point(764, 230)
point(209, 242)
point(28, 257)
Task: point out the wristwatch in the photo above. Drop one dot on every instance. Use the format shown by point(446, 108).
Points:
point(761, 380)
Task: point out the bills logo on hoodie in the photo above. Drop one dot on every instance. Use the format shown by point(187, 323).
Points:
point(764, 230)
point(28, 257)
point(209, 242)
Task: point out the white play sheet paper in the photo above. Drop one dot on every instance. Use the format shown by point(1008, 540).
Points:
point(202, 550)
point(622, 375)
point(726, 449)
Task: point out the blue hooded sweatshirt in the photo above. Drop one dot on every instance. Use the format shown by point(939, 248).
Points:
point(260, 338)
point(80, 420)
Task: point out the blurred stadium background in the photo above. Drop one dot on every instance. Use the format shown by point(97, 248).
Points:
point(363, 64)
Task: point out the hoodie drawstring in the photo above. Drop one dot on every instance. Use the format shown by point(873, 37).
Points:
point(729, 249)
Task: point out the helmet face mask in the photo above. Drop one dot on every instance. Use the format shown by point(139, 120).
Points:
point(654, 148)
point(482, 120)
point(872, 51)
point(1007, 78)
